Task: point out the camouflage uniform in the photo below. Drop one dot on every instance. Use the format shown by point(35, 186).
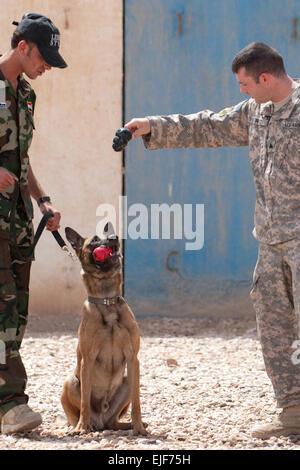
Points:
point(16, 128)
point(273, 138)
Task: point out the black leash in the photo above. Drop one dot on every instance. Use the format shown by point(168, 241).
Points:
point(38, 233)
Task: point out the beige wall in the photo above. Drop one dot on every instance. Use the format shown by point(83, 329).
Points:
point(77, 112)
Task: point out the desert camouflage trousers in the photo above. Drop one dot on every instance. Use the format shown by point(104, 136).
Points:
point(14, 292)
point(276, 299)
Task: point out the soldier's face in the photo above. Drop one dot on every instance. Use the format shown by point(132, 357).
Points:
point(33, 63)
point(257, 90)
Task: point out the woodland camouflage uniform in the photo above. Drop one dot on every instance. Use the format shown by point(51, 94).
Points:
point(16, 129)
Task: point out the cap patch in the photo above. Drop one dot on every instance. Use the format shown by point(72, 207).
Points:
point(55, 40)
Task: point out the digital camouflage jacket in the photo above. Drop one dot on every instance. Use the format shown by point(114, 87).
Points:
point(274, 144)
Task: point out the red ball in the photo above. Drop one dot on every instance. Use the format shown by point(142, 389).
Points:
point(101, 253)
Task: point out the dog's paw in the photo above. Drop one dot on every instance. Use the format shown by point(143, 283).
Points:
point(139, 430)
point(80, 431)
point(82, 428)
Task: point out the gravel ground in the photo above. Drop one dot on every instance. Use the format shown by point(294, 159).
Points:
point(203, 386)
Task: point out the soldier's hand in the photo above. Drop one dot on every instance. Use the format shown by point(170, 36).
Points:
point(138, 127)
point(53, 222)
point(6, 179)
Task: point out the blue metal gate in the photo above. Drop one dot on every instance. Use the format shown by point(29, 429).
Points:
point(178, 60)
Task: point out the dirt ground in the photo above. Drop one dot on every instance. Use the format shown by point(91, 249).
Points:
point(203, 386)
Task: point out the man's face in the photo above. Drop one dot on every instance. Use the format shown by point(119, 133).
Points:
point(32, 62)
point(259, 91)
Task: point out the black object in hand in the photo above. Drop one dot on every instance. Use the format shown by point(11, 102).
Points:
point(123, 136)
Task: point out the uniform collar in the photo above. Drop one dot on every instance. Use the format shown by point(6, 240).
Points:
point(267, 109)
point(23, 89)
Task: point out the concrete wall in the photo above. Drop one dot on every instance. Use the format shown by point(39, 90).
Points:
point(77, 112)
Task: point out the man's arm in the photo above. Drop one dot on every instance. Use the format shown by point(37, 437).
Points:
point(228, 128)
point(36, 192)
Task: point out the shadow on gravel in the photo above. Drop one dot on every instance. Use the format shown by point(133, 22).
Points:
point(91, 439)
point(161, 327)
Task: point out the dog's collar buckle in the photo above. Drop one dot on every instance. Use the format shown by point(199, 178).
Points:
point(107, 301)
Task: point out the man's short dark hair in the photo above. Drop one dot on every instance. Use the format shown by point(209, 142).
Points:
point(258, 58)
point(16, 38)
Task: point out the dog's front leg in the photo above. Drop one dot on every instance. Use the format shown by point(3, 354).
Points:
point(133, 369)
point(84, 423)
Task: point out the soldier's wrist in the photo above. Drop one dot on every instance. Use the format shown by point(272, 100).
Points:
point(43, 199)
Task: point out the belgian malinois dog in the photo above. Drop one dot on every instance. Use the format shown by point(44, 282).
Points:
point(99, 393)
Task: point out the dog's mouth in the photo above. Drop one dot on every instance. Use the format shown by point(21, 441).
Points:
point(105, 252)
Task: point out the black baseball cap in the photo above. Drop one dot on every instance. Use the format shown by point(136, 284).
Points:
point(41, 31)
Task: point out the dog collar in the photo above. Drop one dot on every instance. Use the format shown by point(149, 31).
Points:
point(107, 301)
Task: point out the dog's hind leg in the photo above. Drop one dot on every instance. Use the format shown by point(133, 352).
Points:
point(118, 406)
point(70, 400)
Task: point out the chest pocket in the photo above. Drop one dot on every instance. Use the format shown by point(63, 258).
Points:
point(26, 126)
point(289, 156)
point(30, 118)
point(8, 130)
point(258, 133)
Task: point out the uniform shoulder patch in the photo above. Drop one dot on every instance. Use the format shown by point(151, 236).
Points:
point(231, 109)
point(225, 111)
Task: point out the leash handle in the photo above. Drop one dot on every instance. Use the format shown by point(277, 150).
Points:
point(38, 232)
point(55, 234)
point(41, 227)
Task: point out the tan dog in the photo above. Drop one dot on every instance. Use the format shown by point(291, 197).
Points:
point(99, 393)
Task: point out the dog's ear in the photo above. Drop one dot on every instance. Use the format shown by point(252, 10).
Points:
point(109, 231)
point(74, 238)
